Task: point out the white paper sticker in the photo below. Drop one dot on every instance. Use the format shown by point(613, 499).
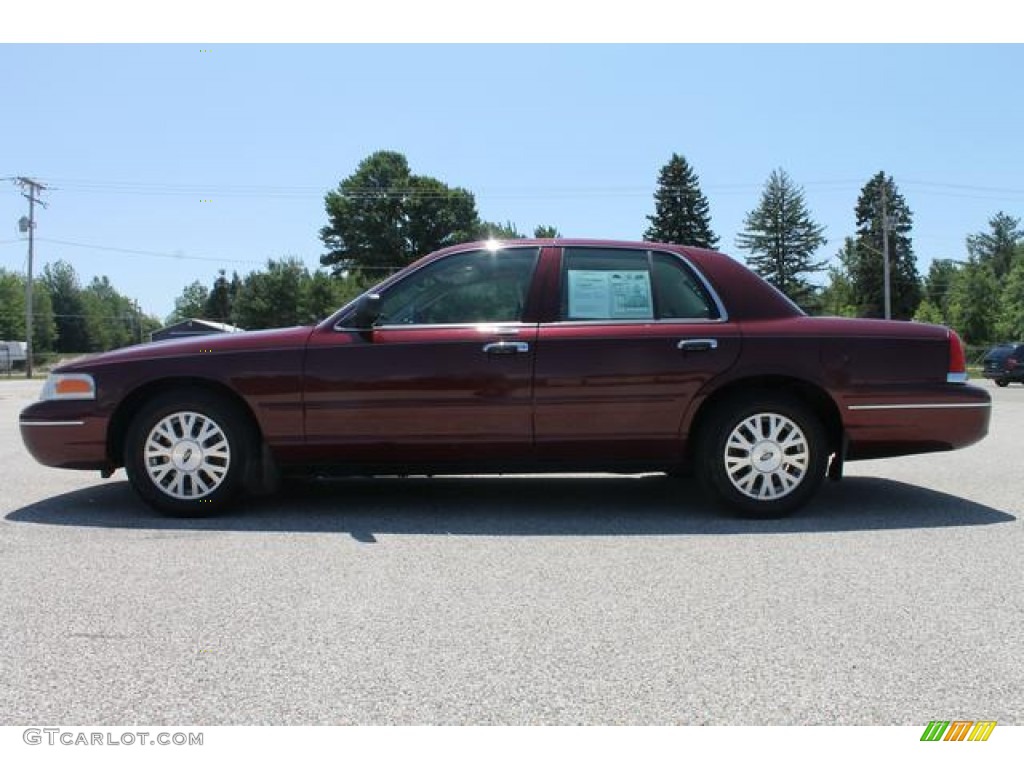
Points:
point(622, 294)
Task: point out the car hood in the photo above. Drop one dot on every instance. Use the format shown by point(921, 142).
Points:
point(275, 338)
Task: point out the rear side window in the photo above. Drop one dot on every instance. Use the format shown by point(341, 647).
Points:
point(622, 284)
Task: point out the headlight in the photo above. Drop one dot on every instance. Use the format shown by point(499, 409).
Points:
point(69, 386)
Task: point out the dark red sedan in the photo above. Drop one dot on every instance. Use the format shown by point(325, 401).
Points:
point(522, 356)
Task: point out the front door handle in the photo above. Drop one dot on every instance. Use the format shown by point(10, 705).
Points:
point(697, 345)
point(506, 347)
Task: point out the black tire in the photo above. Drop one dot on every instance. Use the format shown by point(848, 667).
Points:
point(199, 445)
point(762, 477)
point(1002, 382)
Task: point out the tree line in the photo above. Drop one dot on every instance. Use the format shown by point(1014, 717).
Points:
point(982, 297)
point(383, 216)
point(69, 317)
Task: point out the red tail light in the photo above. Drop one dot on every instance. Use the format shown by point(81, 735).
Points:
point(957, 360)
point(1011, 362)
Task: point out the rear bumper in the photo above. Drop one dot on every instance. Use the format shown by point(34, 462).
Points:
point(898, 422)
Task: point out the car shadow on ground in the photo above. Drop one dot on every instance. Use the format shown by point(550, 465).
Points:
point(521, 506)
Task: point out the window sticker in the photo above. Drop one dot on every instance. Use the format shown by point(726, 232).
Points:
point(622, 294)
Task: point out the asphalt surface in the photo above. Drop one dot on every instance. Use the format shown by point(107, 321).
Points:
point(895, 598)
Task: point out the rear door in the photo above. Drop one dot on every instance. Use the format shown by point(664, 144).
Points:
point(635, 334)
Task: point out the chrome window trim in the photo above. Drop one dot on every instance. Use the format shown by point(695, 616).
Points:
point(498, 329)
point(663, 321)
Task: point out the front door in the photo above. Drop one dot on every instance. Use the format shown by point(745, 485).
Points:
point(444, 377)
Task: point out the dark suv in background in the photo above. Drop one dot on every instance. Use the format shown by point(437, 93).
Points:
point(1005, 363)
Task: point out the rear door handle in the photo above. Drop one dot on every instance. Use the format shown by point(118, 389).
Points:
point(506, 347)
point(697, 345)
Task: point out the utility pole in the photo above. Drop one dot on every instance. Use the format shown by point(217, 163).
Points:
point(885, 255)
point(33, 188)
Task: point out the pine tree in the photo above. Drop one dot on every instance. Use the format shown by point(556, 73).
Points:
point(997, 247)
point(782, 237)
point(867, 268)
point(681, 212)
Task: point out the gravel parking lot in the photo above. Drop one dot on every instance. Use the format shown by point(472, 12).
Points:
point(896, 598)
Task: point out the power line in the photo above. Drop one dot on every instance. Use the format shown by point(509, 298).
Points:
point(214, 259)
point(137, 252)
point(301, 192)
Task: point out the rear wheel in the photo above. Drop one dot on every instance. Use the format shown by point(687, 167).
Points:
point(186, 453)
point(762, 456)
point(1002, 382)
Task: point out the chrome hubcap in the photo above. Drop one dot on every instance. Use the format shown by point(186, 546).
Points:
point(766, 456)
point(187, 455)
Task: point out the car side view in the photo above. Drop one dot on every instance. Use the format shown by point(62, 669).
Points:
point(522, 356)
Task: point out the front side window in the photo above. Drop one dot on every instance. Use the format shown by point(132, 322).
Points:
point(471, 287)
point(621, 284)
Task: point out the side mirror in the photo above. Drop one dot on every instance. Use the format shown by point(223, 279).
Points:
point(367, 311)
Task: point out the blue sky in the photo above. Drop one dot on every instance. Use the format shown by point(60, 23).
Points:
point(134, 138)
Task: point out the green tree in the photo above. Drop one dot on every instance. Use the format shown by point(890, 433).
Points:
point(12, 305)
point(65, 292)
point(191, 303)
point(972, 306)
point(837, 297)
point(383, 217)
point(866, 267)
point(320, 294)
point(12, 311)
point(273, 297)
point(682, 214)
point(489, 229)
point(436, 216)
point(927, 312)
point(546, 230)
point(1010, 316)
point(937, 284)
point(219, 301)
point(782, 237)
point(996, 248)
point(44, 324)
point(111, 319)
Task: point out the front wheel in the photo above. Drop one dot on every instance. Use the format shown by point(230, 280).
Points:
point(186, 453)
point(762, 456)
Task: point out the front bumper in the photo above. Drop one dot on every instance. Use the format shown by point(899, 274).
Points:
point(60, 434)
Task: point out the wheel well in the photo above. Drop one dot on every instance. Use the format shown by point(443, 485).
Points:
point(131, 405)
point(809, 394)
